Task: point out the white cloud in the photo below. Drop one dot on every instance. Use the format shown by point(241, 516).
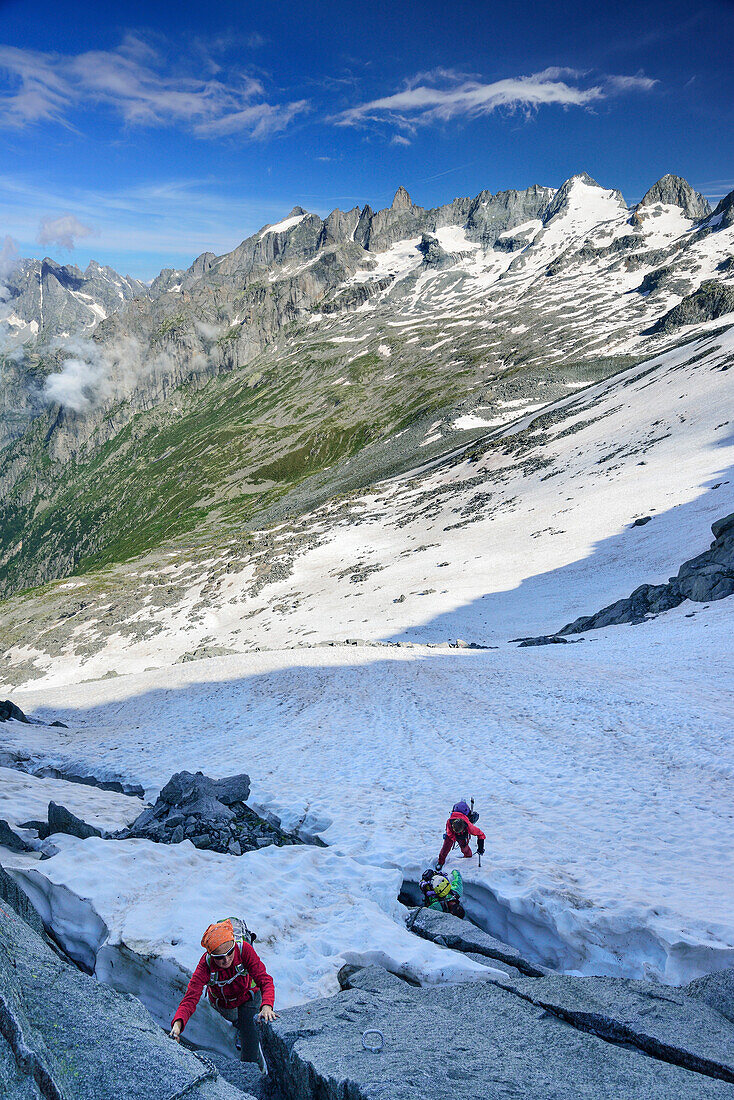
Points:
point(444, 95)
point(630, 83)
point(8, 262)
point(95, 374)
point(399, 139)
point(137, 82)
point(62, 231)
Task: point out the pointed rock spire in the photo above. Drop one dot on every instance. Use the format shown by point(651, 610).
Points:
point(402, 200)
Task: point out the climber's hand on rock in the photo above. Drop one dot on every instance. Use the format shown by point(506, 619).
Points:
point(266, 1014)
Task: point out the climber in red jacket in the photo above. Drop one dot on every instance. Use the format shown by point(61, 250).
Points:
point(232, 972)
point(458, 828)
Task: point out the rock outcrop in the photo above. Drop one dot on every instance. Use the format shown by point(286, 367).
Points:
point(65, 1036)
point(211, 813)
point(712, 300)
point(486, 1041)
point(462, 935)
point(433, 254)
point(710, 576)
point(675, 191)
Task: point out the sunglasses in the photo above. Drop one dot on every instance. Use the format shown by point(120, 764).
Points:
point(225, 955)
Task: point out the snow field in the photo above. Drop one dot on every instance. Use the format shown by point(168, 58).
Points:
point(600, 770)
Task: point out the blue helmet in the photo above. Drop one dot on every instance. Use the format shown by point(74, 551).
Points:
point(461, 808)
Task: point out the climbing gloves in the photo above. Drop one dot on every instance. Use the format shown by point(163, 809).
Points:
point(480, 846)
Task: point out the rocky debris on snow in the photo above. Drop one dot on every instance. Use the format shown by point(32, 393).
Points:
point(12, 840)
point(716, 989)
point(712, 300)
point(675, 191)
point(660, 1020)
point(65, 1036)
point(710, 576)
point(483, 1040)
point(211, 813)
point(462, 935)
point(542, 639)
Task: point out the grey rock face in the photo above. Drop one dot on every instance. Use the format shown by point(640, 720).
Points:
point(478, 1040)
point(716, 990)
point(660, 1020)
point(61, 820)
point(65, 1036)
point(489, 215)
point(710, 576)
point(62, 299)
point(675, 191)
point(461, 935)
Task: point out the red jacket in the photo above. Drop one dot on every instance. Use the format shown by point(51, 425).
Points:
point(462, 817)
point(233, 986)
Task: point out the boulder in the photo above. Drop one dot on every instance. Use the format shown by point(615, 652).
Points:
point(9, 710)
point(233, 788)
point(65, 1035)
point(61, 820)
point(462, 935)
point(479, 1040)
point(12, 840)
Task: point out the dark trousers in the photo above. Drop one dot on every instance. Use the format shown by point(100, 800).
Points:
point(243, 1017)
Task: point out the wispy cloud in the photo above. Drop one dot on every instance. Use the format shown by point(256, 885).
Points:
point(444, 94)
point(62, 231)
point(141, 85)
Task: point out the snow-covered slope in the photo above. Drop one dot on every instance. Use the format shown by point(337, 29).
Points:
point(518, 535)
point(313, 653)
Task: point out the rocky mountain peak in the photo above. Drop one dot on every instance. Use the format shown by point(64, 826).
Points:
point(675, 191)
point(402, 200)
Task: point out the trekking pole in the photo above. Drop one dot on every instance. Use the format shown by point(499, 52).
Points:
point(479, 854)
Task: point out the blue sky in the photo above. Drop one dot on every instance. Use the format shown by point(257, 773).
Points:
point(144, 134)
